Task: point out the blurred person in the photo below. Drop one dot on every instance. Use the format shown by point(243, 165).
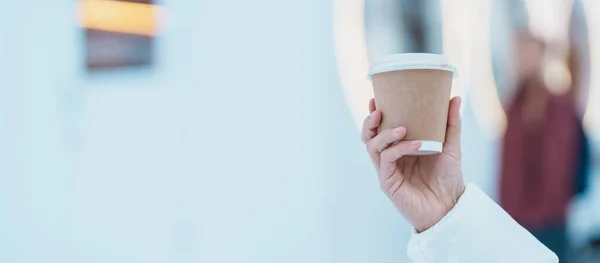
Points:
point(453, 221)
point(541, 151)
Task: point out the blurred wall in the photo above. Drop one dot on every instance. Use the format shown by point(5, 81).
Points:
point(215, 155)
point(251, 82)
point(37, 76)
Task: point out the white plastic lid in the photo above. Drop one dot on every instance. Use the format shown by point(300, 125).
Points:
point(406, 61)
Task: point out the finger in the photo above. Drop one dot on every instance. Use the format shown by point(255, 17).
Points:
point(369, 129)
point(372, 107)
point(452, 142)
point(390, 155)
point(384, 139)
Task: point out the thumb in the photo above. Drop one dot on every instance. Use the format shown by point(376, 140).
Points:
point(452, 143)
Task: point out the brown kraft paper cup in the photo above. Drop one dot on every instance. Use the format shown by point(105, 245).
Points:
point(417, 99)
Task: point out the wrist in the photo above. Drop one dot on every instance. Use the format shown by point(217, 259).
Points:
point(446, 204)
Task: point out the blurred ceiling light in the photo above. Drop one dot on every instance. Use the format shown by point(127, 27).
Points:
point(484, 83)
point(456, 39)
point(466, 26)
point(117, 16)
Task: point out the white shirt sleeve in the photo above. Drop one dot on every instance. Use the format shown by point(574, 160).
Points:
point(477, 230)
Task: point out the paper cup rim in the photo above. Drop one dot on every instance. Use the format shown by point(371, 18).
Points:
point(407, 61)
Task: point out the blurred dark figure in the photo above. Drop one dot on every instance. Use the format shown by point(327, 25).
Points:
point(541, 152)
point(413, 13)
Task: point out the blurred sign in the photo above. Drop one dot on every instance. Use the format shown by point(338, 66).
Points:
point(118, 33)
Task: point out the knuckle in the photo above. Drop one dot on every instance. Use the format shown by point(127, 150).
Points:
point(392, 138)
point(366, 122)
point(369, 135)
point(371, 147)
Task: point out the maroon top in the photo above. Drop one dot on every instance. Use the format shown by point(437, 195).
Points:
point(538, 164)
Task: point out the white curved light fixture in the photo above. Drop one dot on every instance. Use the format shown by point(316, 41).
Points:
point(351, 55)
point(467, 40)
point(591, 118)
point(488, 108)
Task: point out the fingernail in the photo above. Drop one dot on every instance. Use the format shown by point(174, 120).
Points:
point(399, 130)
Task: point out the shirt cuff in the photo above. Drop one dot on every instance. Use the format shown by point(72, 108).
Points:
point(477, 230)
